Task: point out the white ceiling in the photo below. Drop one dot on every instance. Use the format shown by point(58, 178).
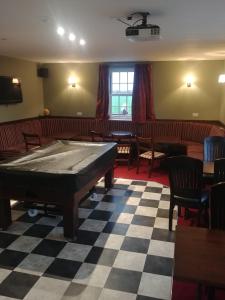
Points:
point(190, 29)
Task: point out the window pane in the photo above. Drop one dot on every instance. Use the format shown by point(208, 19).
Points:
point(115, 87)
point(115, 110)
point(123, 100)
point(123, 77)
point(115, 101)
point(129, 110)
point(130, 87)
point(130, 77)
point(123, 87)
point(129, 100)
point(115, 77)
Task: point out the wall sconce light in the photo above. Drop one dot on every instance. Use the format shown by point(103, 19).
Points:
point(189, 80)
point(221, 78)
point(15, 81)
point(72, 81)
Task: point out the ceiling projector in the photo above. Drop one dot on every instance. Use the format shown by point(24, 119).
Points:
point(143, 31)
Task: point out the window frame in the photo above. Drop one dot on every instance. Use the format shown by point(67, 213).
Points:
point(119, 69)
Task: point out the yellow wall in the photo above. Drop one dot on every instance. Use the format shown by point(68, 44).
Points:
point(32, 89)
point(64, 100)
point(222, 110)
point(173, 100)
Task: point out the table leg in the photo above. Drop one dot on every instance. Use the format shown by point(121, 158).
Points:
point(70, 218)
point(109, 179)
point(5, 213)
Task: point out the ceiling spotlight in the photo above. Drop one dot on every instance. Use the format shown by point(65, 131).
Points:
point(60, 31)
point(82, 42)
point(72, 37)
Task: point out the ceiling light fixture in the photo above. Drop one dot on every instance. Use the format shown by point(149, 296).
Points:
point(72, 37)
point(60, 31)
point(82, 42)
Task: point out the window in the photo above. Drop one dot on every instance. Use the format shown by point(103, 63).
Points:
point(121, 89)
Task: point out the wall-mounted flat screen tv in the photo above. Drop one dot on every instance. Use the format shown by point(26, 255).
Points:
point(10, 90)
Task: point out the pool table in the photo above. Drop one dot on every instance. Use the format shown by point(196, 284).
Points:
point(61, 173)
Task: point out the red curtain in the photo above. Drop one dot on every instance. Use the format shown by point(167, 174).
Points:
point(102, 107)
point(142, 102)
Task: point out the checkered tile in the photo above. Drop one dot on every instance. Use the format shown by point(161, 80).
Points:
point(123, 249)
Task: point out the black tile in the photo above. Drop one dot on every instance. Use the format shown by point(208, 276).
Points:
point(149, 203)
point(99, 190)
point(63, 269)
point(165, 197)
point(81, 291)
point(112, 199)
point(86, 237)
point(101, 256)
point(153, 189)
point(120, 186)
point(143, 220)
point(158, 265)
point(163, 235)
point(6, 239)
point(116, 228)
point(135, 245)
point(139, 297)
point(38, 230)
point(9, 259)
point(123, 280)
point(49, 248)
point(17, 285)
point(100, 215)
point(137, 182)
point(89, 204)
point(130, 209)
point(163, 213)
point(27, 219)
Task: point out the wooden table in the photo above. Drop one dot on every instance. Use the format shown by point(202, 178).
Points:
point(200, 256)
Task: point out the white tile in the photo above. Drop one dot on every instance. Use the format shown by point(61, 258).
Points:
point(138, 231)
point(73, 251)
point(34, 264)
point(151, 196)
point(17, 214)
point(166, 191)
point(116, 192)
point(102, 239)
point(125, 218)
point(93, 225)
point(156, 286)
point(164, 204)
point(146, 211)
point(154, 184)
point(19, 227)
point(130, 261)
point(106, 206)
point(53, 221)
point(3, 274)
point(57, 234)
point(24, 243)
point(83, 213)
point(108, 294)
point(123, 181)
point(160, 248)
point(93, 275)
point(48, 288)
point(163, 223)
point(133, 201)
point(137, 188)
point(114, 241)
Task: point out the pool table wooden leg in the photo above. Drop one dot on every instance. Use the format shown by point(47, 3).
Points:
point(109, 178)
point(70, 218)
point(5, 213)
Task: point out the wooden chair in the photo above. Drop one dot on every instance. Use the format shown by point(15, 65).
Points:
point(32, 140)
point(146, 150)
point(186, 185)
point(124, 148)
point(219, 170)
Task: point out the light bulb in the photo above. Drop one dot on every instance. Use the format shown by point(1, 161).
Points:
point(72, 37)
point(82, 42)
point(60, 31)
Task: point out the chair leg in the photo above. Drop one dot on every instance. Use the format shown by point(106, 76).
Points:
point(171, 216)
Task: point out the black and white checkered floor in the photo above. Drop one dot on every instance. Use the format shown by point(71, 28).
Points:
point(123, 251)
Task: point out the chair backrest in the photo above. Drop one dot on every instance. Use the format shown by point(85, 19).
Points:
point(96, 136)
point(31, 139)
point(214, 147)
point(219, 170)
point(144, 144)
point(185, 176)
point(217, 206)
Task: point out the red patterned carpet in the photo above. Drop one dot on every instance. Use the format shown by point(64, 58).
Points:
point(181, 290)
